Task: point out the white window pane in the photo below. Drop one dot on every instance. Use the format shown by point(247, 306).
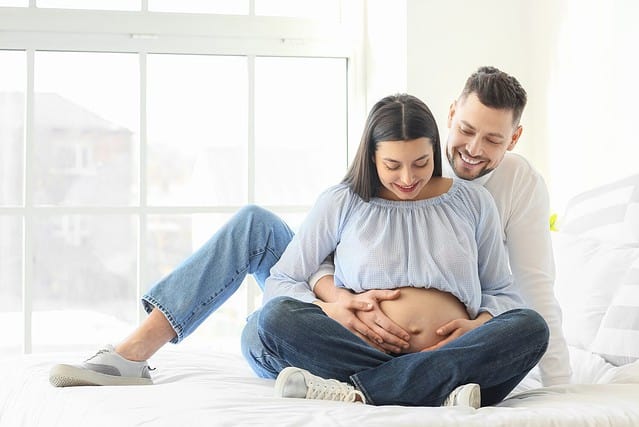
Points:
point(91, 4)
point(197, 130)
point(86, 128)
point(11, 284)
point(12, 84)
point(325, 10)
point(225, 7)
point(300, 128)
point(173, 238)
point(293, 219)
point(84, 290)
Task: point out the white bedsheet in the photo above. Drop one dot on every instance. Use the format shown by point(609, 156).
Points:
point(198, 387)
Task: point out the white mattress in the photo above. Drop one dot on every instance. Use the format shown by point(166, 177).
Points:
point(200, 387)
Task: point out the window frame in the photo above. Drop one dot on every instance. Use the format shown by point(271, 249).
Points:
point(31, 29)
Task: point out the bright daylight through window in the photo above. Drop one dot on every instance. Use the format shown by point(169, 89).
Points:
point(121, 155)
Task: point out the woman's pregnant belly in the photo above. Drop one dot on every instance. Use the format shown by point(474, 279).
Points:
point(420, 312)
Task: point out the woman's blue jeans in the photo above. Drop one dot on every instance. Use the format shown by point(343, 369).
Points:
point(251, 242)
point(497, 355)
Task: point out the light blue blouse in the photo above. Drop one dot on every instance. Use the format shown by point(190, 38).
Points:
point(450, 242)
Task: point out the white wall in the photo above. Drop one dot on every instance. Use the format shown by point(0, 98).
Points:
point(386, 48)
point(592, 103)
point(449, 40)
point(576, 58)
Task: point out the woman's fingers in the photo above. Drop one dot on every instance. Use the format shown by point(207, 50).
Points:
point(392, 336)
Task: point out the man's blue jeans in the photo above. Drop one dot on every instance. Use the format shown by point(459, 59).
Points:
point(497, 355)
point(251, 242)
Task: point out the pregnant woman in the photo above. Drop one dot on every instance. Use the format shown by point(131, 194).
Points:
point(395, 222)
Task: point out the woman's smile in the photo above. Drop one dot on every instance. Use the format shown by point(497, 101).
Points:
point(407, 189)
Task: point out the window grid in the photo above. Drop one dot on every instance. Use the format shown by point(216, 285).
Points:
point(27, 267)
point(142, 183)
point(29, 211)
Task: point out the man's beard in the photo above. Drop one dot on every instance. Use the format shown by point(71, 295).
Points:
point(451, 161)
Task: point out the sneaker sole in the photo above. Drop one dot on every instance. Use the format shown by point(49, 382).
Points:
point(71, 376)
point(281, 380)
point(474, 400)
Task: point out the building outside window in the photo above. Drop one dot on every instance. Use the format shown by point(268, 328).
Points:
point(123, 149)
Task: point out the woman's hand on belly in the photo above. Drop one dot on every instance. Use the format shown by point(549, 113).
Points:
point(422, 312)
point(362, 315)
point(456, 328)
point(392, 338)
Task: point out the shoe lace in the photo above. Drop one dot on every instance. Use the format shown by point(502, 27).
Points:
point(108, 350)
point(102, 351)
point(331, 390)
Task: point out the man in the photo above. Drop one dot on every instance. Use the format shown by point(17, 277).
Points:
point(481, 132)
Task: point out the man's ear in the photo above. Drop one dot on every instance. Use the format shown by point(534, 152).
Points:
point(515, 138)
point(451, 113)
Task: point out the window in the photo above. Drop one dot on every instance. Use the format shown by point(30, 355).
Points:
point(122, 152)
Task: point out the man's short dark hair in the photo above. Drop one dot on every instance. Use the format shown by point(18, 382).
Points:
point(496, 89)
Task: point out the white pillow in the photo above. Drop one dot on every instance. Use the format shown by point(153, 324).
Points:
point(588, 274)
point(631, 222)
point(617, 340)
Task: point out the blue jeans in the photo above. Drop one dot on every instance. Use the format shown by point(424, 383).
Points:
point(497, 355)
point(251, 242)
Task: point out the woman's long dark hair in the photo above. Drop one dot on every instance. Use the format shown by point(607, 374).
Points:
point(399, 117)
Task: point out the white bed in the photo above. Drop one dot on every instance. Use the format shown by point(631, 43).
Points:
point(597, 254)
point(196, 388)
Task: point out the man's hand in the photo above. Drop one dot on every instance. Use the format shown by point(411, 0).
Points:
point(458, 327)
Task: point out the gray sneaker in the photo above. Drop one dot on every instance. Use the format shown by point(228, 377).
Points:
point(465, 395)
point(106, 367)
point(298, 383)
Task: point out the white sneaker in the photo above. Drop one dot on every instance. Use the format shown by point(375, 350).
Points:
point(465, 395)
point(106, 367)
point(301, 384)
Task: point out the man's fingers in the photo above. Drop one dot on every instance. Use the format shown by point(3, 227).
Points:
point(385, 294)
point(355, 304)
point(439, 344)
point(447, 328)
point(454, 335)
